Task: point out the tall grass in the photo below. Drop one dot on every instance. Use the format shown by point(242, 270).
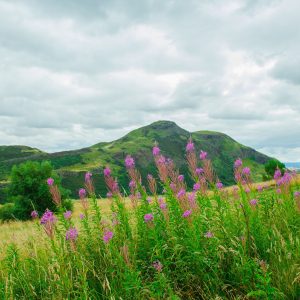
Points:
point(209, 243)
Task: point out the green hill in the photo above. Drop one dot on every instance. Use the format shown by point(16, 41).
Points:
point(172, 139)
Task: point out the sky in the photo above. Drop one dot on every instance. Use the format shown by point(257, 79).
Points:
point(74, 73)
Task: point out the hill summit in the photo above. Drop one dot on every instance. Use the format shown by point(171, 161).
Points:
point(172, 140)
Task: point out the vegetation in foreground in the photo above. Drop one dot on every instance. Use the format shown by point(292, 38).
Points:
point(206, 244)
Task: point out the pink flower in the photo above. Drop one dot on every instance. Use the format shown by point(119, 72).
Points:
point(278, 191)
point(148, 218)
point(203, 155)
point(82, 193)
point(71, 234)
point(50, 181)
point(196, 186)
point(107, 236)
point(81, 216)
point(247, 190)
point(149, 200)
point(157, 265)
point(68, 215)
point(190, 146)
point(246, 171)
point(163, 205)
point(209, 234)
point(253, 202)
point(259, 188)
point(277, 174)
point(155, 151)
point(88, 176)
point(297, 194)
point(172, 186)
point(129, 162)
point(132, 184)
point(181, 193)
point(149, 177)
point(48, 217)
point(187, 213)
point(34, 214)
point(219, 185)
point(180, 178)
point(109, 195)
point(238, 163)
point(107, 172)
point(199, 171)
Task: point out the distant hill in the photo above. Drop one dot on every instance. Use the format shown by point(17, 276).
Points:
point(293, 165)
point(172, 139)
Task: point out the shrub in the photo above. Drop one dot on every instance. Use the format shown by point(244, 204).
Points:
point(7, 211)
point(28, 189)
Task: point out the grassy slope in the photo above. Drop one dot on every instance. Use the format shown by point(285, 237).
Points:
point(171, 138)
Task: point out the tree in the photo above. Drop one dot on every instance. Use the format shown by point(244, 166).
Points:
point(29, 191)
point(272, 165)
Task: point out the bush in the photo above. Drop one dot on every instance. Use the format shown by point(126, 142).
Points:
point(28, 189)
point(272, 165)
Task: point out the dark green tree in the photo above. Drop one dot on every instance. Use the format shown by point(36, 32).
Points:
point(29, 190)
point(272, 165)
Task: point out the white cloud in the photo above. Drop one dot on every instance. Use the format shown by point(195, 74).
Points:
point(76, 73)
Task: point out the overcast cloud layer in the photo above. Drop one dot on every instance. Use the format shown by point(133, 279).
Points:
point(74, 73)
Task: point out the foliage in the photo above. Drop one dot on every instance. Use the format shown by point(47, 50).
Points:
point(211, 243)
point(28, 189)
point(271, 166)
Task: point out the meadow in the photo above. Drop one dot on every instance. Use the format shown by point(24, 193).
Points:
point(212, 242)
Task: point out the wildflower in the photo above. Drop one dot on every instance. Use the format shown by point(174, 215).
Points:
point(209, 234)
point(149, 200)
point(180, 178)
point(163, 205)
point(148, 217)
point(238, 163)
point(187, 213)
point(246, 171)
point(181, 193)
point(297, 194)
point(190, 146)
point(277, 174)
point(109, 195)
point(68, 215)
point(253, 202)
point(132, 184)
point(149, 177)
point(82, 193)
point(157, 265)
point(203, 155)
point(199, 171)
point(107, 236)
point(172, 186)
point(88, 176)
point(219, 185)
point(48, 217)
point(138, 195)
point(71, 234)
point(155, 151)
point(278, 191)
point(34, 214)
point(107, 172)
point(129, 162)
point(196, 186)
point(50, 181)
point(161, 160)
point(260, 188)
point(247, 190)
point(81, 216)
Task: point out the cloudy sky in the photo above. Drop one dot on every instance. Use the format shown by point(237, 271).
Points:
point(74, 73)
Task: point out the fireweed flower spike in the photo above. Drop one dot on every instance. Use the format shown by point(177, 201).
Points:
point(253, 202)
point(107, 236)
point(54, 191)
point(71, 234)
point(209, 234)
point(196, 186)
point(155, 151)
point(129, 162)
point(68, 215)
point(34, 214)
point(187, 213)
point(148, 218)
point(238, 163)
point(48, 221)
point(157, 265)
point(107, 172)
point(219, 185)
point(190, 146)
point(89, 183)
point(180, 178)
point(203, 155)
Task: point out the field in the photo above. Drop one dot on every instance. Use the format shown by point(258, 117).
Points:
point(209, 243)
